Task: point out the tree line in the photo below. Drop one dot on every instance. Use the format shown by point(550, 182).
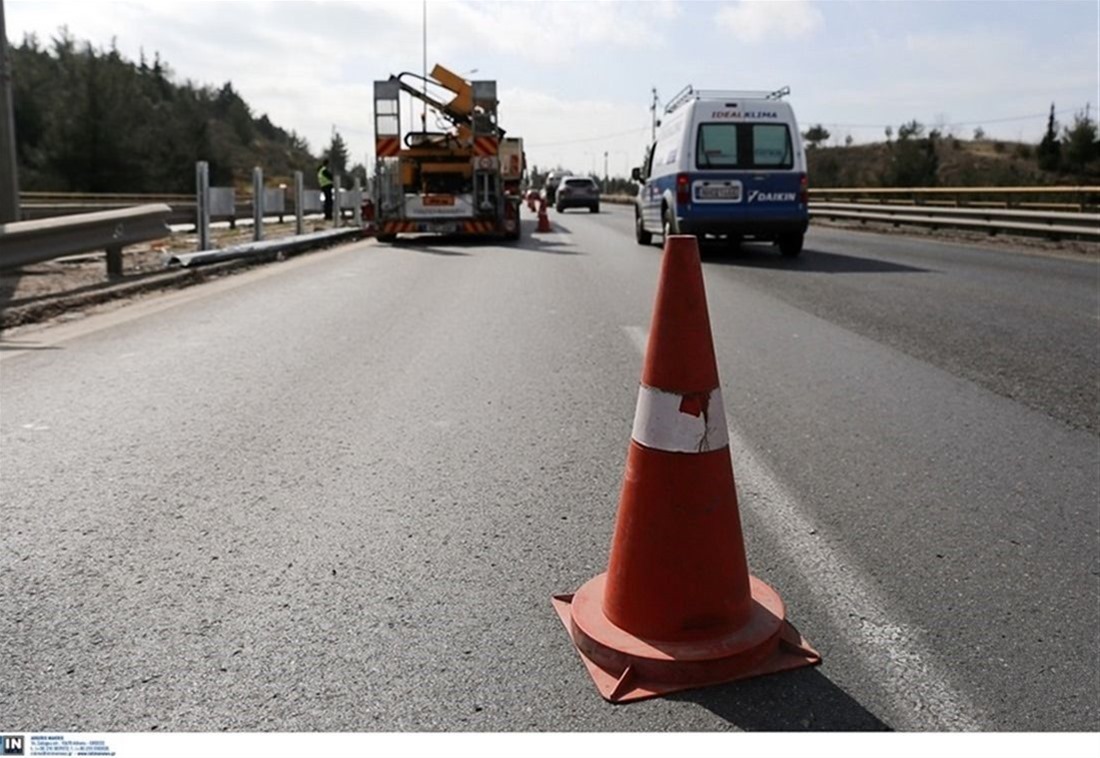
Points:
point(88, 120)
point(915, 156)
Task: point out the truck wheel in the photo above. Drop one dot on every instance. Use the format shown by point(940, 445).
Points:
point(790, 244)
point(595, 208)
point(640, 234)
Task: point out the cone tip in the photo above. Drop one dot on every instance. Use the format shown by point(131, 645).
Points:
point(681, 242)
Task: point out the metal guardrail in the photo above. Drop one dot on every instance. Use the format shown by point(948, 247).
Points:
point(40, 205)
point(1066, 198)
point(182, 211)
point(1046, 223)
point(264, 248)
point(26, 242)
point(184, 208)
point(944, 217)
point(1022, 210)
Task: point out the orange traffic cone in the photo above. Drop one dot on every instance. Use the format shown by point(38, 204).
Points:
point(544, 218)
point(677, 607)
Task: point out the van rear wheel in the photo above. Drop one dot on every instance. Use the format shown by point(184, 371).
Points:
point(640, 234)
point(790, 244)
point(667, 226)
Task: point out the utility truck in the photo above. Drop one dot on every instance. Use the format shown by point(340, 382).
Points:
point(462, 178)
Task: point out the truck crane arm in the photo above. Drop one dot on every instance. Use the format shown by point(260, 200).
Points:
point(459, 111)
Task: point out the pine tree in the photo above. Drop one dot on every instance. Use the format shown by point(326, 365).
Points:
point(337, 154)
point(1049, 152)
point(1080, 143)
point(89, 120)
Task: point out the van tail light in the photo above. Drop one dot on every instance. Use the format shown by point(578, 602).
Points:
point(683, 189)
point(803, 189)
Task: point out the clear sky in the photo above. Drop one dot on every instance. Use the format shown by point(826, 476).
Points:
point(575, 77)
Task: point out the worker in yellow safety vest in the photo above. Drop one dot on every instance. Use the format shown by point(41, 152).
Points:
point(324, 180)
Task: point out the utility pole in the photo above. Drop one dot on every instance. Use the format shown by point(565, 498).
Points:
point(605, 168)
point(9, 180)
point(424, 53)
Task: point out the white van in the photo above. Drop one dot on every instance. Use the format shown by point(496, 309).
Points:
point(725, 164)
point(553, 179)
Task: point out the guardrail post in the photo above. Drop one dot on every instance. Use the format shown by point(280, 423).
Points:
point(357, 202)
point(337, 211)
point(202, 204)
point(114, 261)
point(299, 202)
point(257, 204)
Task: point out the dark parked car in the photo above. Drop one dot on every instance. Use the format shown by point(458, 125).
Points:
point(578, 192)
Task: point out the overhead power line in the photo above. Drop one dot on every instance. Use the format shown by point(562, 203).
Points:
point(589, 139)
point(639, 130)
point(1006, 119)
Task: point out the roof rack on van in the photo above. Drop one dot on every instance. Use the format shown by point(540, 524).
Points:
point(689, 93)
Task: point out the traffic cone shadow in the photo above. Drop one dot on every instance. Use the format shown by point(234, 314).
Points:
point(677, 607)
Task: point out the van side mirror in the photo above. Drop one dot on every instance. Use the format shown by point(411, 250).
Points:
point(636, 174)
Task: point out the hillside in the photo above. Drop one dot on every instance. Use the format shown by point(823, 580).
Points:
point(942, 162)
point(88, 120)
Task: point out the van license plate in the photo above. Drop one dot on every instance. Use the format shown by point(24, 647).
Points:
point(720, 193)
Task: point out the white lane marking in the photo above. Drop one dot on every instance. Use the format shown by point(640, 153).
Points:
point(638, 335)
point(662, 423)
point(904, 667)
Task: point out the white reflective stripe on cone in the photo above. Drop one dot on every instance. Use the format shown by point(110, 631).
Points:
point(660, 424)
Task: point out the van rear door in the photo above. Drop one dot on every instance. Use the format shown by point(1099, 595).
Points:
point(745, 169)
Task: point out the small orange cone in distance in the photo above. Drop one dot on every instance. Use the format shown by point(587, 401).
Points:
point(544, 218)
point(677, 607)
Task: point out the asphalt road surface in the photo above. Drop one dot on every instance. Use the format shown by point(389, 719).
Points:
point(336, 493)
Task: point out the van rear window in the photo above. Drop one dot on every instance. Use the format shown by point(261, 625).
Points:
point(744, 146)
